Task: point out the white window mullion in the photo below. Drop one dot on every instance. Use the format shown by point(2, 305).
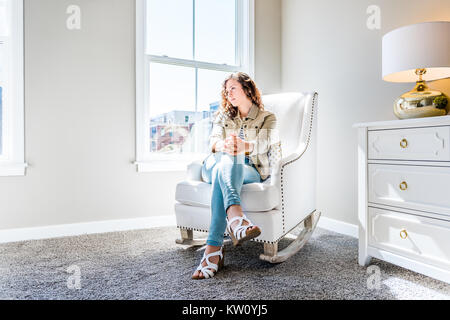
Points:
point(12, 161)
point(193, 55)
point(193, 64)
point(142, 84)
point(146, 103)
point(17, 78)
point(245, 35)
point(196, 89)
point(4, 80)
point(193, 30)
point(237, 39)
point(249, 37)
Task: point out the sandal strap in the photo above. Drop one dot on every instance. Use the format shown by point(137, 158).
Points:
point(211, 268)
point(208, 273)
point(239, 231)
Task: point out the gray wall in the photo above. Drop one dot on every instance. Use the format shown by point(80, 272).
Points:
point(80, 117)
point(326, 47)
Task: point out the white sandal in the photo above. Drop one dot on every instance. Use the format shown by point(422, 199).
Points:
point(210, 269)
point(239, 234)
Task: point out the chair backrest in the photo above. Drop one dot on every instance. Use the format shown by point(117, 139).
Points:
point(292, 111)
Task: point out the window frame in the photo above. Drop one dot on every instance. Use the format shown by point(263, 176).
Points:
point(12, 159)
point(147, 161)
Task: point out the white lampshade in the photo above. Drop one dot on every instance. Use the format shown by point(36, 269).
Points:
point(419, 46)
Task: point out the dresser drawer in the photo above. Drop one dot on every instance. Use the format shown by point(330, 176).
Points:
point(412, 187)
point(414, 237)
point(429, 143)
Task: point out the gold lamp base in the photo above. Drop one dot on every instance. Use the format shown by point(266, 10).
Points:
point(421, 101)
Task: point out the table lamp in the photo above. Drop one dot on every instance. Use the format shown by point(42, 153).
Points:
point(418, 53)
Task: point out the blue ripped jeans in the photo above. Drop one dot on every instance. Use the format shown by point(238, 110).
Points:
point(227, 174)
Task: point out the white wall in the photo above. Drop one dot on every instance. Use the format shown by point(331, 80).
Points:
point(268, 45)
point(327, 47)
point(80, 117)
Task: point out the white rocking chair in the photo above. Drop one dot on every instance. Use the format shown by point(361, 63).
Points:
point(280, 204)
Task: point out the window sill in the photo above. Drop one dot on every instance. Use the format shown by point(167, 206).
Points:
point(12, 169)
point(162, 166)
point(165, 163)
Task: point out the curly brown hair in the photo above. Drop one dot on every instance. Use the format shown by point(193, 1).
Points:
point(250, 89)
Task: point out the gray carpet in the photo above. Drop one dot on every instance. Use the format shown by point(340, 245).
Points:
point(147, 264)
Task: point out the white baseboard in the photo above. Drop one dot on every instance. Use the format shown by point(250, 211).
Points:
point(345, 228)
point(76, 229)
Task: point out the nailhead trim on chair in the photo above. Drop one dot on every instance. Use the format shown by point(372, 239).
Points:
point(263, 241)
point(282, 168)
point(200, 230)
point(194, 229)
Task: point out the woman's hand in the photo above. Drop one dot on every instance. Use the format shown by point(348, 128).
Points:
point(234, 145)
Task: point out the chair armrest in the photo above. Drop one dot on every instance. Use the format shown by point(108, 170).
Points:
point(276, 172)
point(194, 171)
point(296, 178)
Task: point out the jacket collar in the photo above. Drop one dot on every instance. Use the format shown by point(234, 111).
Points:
point(252, 114)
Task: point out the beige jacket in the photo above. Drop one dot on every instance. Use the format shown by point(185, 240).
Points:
point(259, 129)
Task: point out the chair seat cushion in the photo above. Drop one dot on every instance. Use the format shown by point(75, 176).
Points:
point(254, 196)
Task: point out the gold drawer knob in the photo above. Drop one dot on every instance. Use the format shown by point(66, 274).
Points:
point(404, 143)
point(403, 186)
point(403, 234)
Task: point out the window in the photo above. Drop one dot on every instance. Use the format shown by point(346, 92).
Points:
point(11, 89)
point(182, 58)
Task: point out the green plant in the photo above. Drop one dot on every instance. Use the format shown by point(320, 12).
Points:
point(440, 102)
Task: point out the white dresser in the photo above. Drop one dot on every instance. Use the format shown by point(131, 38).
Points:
point(404, 194)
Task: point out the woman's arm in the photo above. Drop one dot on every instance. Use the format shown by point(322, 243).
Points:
point(218, 146)
point(217, 137)
point(267, 136)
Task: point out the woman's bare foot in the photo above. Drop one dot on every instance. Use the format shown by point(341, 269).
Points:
point(215, 259)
